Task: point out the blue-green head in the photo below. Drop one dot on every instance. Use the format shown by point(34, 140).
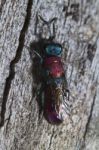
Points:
point(53, 49)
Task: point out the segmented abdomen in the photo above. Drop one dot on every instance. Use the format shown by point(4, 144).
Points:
point(52, 104)
point(55, 99)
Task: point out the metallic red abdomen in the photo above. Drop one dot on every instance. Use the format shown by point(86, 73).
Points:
point(53, 66)
point(52, 105)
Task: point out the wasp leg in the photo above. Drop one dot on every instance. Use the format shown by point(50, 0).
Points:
point(41, 59)
point(66, 93)
point(31, 53)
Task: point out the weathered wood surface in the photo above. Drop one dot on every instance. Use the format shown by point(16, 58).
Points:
point(77, 29)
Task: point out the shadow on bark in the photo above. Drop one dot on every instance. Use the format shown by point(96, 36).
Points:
point(37, 55)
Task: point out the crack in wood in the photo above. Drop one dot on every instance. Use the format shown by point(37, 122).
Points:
point(14, 61)
point(8, 119)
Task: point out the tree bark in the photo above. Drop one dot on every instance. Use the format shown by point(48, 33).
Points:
point(77, 30)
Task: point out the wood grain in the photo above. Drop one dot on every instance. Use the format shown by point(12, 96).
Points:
point(77, 29)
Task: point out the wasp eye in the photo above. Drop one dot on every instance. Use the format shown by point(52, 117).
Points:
point(53, 49)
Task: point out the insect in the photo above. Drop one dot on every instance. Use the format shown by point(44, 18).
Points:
point(54, 94)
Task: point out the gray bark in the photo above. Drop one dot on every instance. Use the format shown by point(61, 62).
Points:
point(77, 29)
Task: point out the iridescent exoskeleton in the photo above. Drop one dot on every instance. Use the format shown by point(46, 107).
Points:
point(54, 93)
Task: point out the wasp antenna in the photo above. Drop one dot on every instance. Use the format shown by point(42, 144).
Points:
point(53, 19)
point(54, 33)
point(38, 55)
point(41, 18)
point(34, 51)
